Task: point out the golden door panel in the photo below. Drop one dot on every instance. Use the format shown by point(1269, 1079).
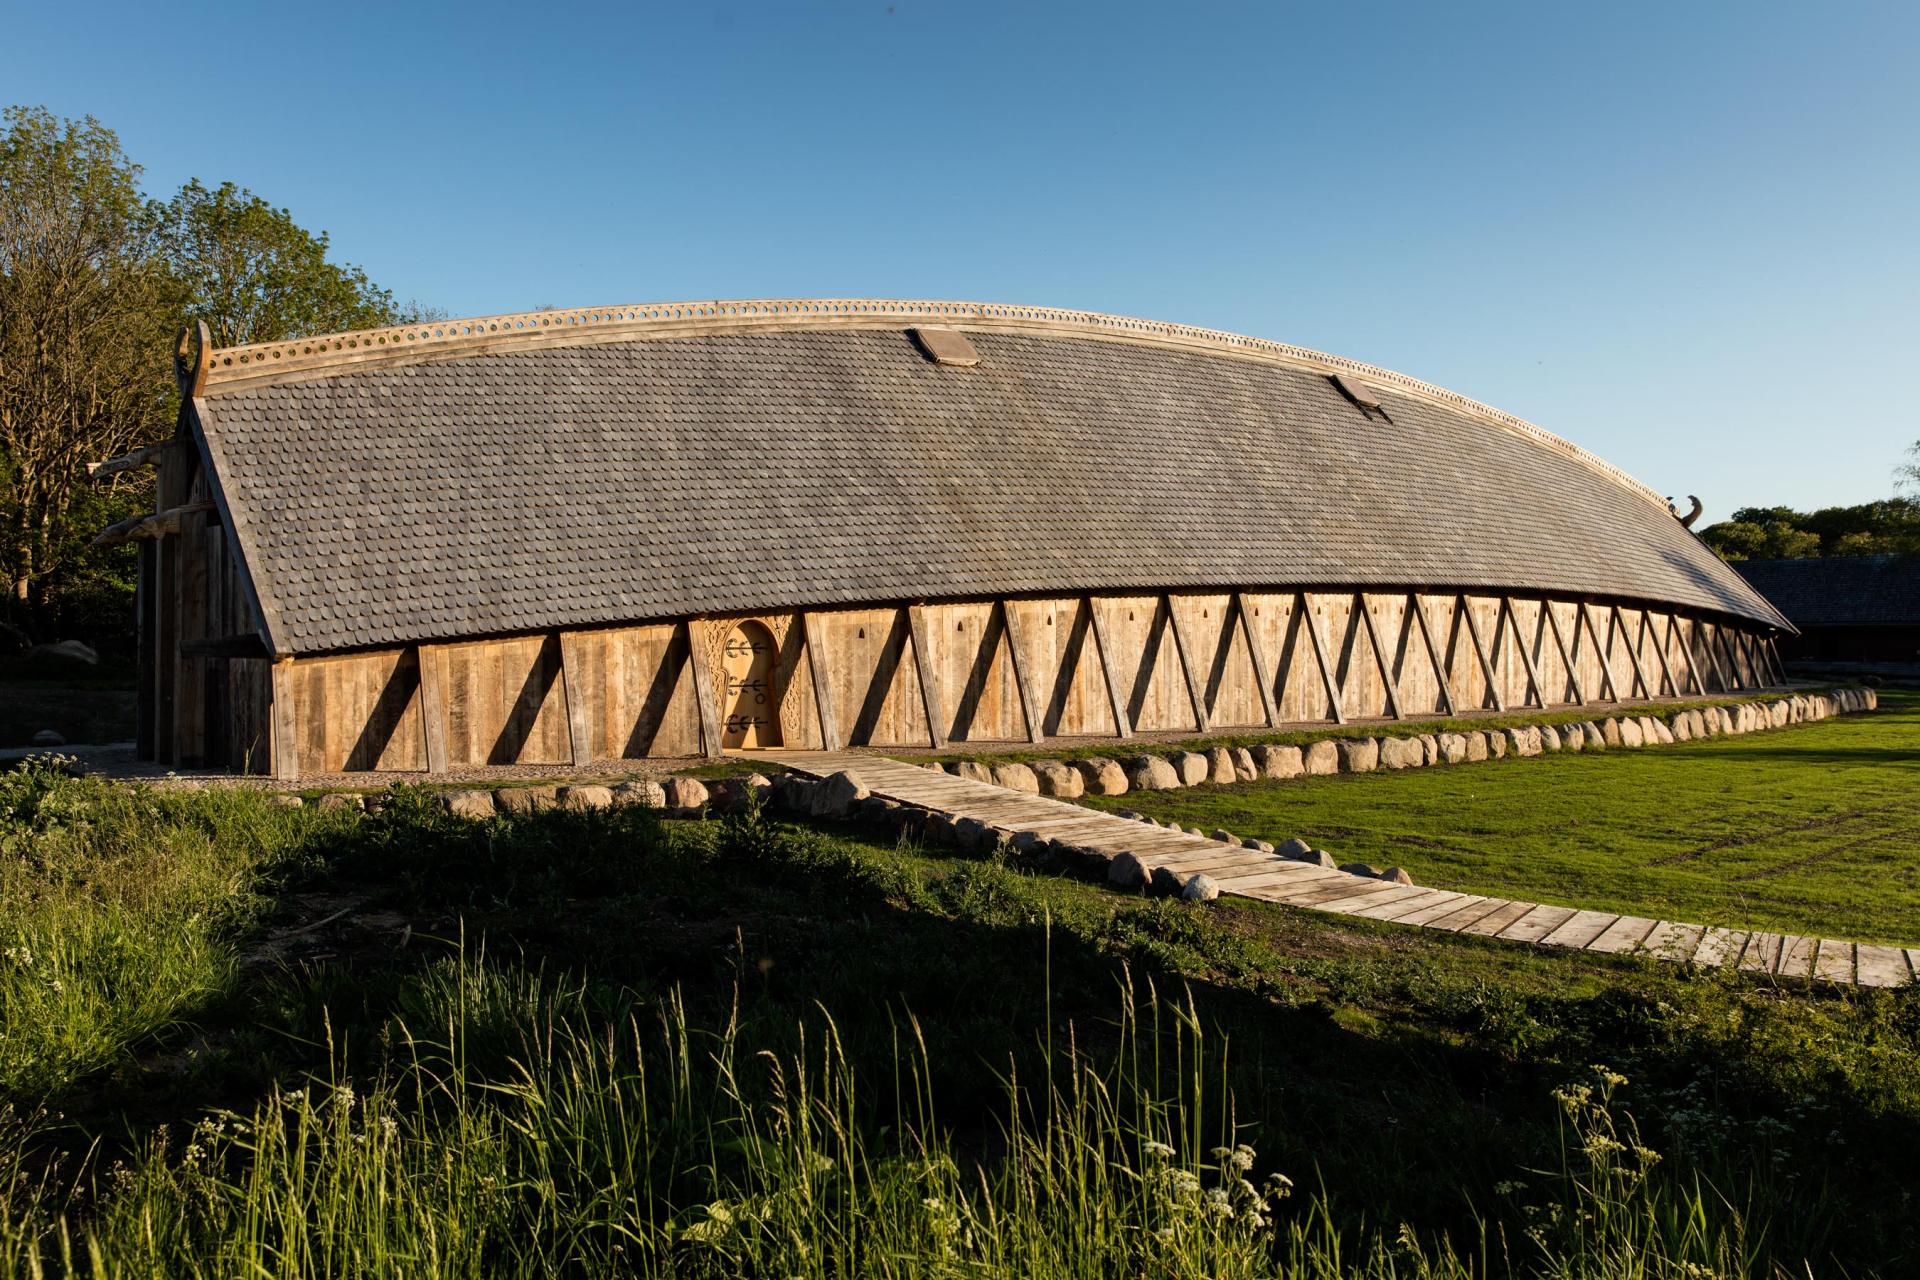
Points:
point(751, 702)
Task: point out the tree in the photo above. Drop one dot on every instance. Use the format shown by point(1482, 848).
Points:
point(255, 275)
point(85, 312)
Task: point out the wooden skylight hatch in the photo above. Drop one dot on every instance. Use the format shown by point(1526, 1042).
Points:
point(1355, 390)
point(946, 346)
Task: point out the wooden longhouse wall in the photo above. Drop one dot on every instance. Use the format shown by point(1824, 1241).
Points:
point(631, 692)
point(567, 537)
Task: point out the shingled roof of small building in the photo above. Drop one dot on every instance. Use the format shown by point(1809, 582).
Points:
point(1840, 591)
point(573, 469)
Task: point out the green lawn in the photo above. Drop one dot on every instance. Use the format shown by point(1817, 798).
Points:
point(1814, 828)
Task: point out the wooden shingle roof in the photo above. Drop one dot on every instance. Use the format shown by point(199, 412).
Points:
point(1840, 591)
point(501, 487)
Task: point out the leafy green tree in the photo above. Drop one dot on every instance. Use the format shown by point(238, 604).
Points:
point(255, 275)
point(85, 311)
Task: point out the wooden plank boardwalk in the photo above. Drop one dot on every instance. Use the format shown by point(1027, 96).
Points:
point(1249, 873)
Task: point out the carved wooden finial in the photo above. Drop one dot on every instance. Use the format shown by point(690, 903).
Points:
point(202, 351)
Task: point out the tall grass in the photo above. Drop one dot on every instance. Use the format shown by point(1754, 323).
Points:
point(647, 1145)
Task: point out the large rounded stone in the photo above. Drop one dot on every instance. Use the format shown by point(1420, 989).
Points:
point(1549, 737)
point(1453, 748)
point(1661, 732)
point(1016, 777)
point(1610, 732)
point(474, 805)
point(644, 792)
point(1572, 737)
point(686, 794)
point(1359, 755)
point(1279, 762)
point(1361, 869)
point(585, 797)
point(1220, 767)
point(1631, 734)
point(1199, 888)
point(1397, 875)
point(1320, 758)
point(1151, 773)
point(836, 796)
point(1192, 767)
point(1400, 753)
point(1127, 871)
point(971, 770)
point(1057, 780)
point(1295, 848)
point(1496, 744)
point(1101, 777)
point(1476, 746)
point(1244, 769)
point(1165, 882)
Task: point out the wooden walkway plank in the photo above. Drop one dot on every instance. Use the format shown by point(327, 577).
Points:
point(1458, 919)
point(1491, 925)
point(1579, 929)
point(1623, 936)
point(1882, 967)
point(1537, 923)
point(1255, 874)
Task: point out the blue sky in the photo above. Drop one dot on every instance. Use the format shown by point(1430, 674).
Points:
point(1683, 235)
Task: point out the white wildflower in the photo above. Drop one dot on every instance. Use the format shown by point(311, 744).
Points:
point(1158, 1150)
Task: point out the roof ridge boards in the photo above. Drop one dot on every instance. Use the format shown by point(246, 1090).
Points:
point(259, 363)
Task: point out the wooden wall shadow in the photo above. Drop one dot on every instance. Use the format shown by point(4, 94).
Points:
point(384, 721)
point(525, 713)
point(881, 684)
point(976, 687)
point(1071, 654)
point(1222, 652)
point(653, 710)
point(1149, 659)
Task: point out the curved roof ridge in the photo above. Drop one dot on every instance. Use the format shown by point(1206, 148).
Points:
point(261, 363)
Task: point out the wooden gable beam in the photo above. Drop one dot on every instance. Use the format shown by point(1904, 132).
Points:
point(1387, 681)
point(1262, 673)
point(147, 455)
point(1122, 725)
point(1566, 659)
point(813, 638)
point(1525, 650)
point(1633, 651)
point(930, 701)
point(1602, 651)
point(579, 714)
point(1031, 709)
point(1336, 696)
point(1465, 606)
point(1419, 615)
point(432, 661)
point(705, 692)
point(1666, 671)
point(1195, 694)
point(157, 525)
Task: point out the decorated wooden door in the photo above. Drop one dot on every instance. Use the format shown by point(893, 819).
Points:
point(752, 706)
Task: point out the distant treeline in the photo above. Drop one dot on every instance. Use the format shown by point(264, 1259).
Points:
point(1781, 533)
point(96, 278)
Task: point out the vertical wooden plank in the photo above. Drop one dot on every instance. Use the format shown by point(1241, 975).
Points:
point(930, 699)
point(1525, 650)
point(1031, 708)
point(1180, 650)
point(701, 660)
point(1419, 612)
point(1666, 672)
point(572, 681)
point(814, 638)
point(433, 704)
point(1712, 634)
point(1262, 673)
point(1675, 632)
point(1336, 696)
point(1465, 607)
point(1387, 681)
point(1773, 655)
point(1104, 649)
point(285, 726)
point(1566, 657)
point(1601, 651)
point(1633, 651)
